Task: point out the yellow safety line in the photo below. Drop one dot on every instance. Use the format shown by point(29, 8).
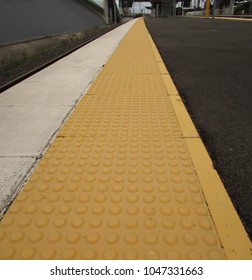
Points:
point(233, 237)
point(230, 18)
point(218, 17)
point(122, 179)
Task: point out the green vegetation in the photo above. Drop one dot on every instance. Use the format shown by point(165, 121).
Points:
point(28, 55)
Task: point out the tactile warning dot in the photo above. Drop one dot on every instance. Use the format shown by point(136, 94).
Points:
point(8, 253)
point(28, 253)
point(115, 210)
point(92, 237)
point(77, 222)
point(150, 223)
point(48, 254)
point(205, 224)
point(73, 237)
point(98, 210)
point(150, 211)
point(89, 254)
point(22, 197)
point(187, 224)
point(166, 210)
point(210, 239)
point(132, 210)
point(15, 208)
point(151, 255)
point(7, 222)
point(42, 222)
point(215, 255)
point(190, 239)
point(64, 209)
point(172, 255)
point(131, 223)
point(113, 223)
point(201, 211)
point(110, 254)
point(68, 254)
point(151, 239)
point(47, 209)
point(112, 238)
point(35, 237)
point(17, 236)
point(130, 255)
point(168, 224)
point(170, 239)
point(131, 239)
point(81, 209)
point(184, 211)
point(54, 237)
point(95, 223)
point(193, 255)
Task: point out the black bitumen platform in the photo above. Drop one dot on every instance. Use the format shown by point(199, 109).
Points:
point(210, 62)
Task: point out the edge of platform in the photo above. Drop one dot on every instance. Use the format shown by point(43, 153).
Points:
point(232, 235)
point(232, 18)
point(220, 17)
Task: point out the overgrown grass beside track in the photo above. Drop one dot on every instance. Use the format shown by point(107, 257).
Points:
point(20, 58)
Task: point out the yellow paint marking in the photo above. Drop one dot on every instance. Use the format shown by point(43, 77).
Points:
point(230, 18)
point(234, 239)
point(186, 125)
point(171, 88)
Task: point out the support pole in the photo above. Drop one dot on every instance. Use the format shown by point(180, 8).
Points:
point(106, 11)
point(174, 8)
point(214, 7)
point(207, 8)
point(110, 16)
point(115, 15)
point(232, 3)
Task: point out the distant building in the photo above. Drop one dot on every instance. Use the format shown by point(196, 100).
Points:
point(135, 6)
point(125, 4)
point(163, 8)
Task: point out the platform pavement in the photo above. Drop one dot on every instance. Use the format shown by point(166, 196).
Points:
point(126, 177)
point(33, 111)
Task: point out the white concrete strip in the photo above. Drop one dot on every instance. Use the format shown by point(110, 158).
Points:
point(26, 130)
point(32, 112)
point(13, 171)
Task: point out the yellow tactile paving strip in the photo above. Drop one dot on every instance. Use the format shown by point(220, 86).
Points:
point(118, 181)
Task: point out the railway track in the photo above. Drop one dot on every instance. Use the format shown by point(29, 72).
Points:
point(31, 70)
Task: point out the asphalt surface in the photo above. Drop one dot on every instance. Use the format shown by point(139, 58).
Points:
point(210, 62)
point(22, 20)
